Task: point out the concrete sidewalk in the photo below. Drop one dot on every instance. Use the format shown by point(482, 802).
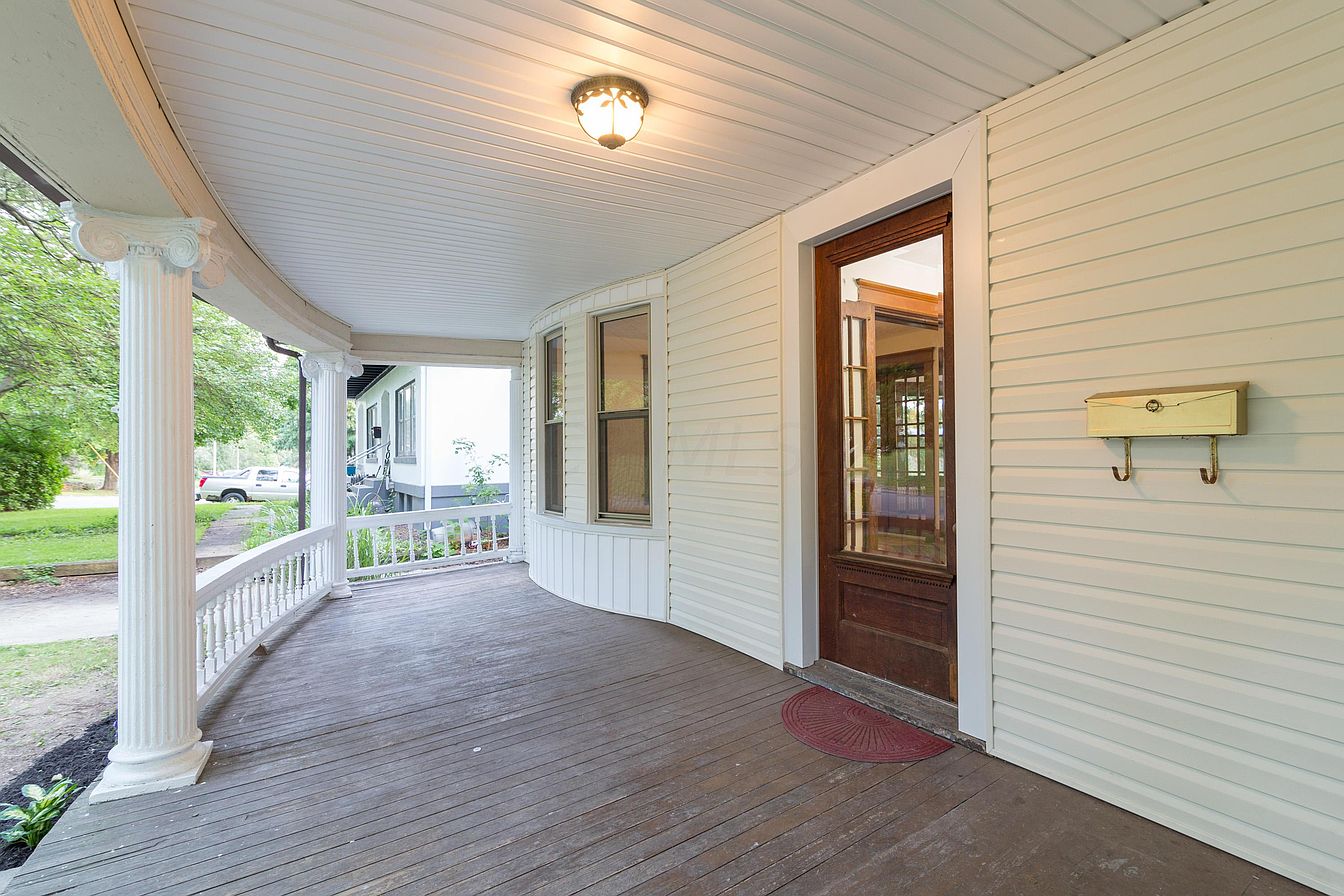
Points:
point(86, 606)
point(75, 499)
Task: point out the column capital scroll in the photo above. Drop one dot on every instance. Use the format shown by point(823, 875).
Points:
point(183, 243)
point(317, 364)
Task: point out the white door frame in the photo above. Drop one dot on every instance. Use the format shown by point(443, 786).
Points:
point(953, 161)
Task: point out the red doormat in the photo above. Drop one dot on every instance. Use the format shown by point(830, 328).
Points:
point(831, 723)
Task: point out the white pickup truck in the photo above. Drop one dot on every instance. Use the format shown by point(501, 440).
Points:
point(252, 484)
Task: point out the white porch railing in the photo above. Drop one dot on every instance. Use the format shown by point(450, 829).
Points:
point(241, 599)
point(417, 539)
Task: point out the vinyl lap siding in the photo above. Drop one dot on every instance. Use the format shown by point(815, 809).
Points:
point(576, 410)
point(1174, 214)
point(723, 443)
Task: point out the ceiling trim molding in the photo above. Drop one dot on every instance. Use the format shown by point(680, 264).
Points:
point(265, 302)
point(381, 348)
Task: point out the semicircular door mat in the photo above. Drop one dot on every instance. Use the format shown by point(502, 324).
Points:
point(835, 724)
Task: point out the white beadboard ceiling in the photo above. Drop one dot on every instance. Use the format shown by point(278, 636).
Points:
point(414, 166)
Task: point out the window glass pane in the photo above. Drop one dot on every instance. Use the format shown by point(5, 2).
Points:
point(625, 363)
point(555, 467)
point(624, 463)
point(406, 420)
point(555, 377)
point(553, 430)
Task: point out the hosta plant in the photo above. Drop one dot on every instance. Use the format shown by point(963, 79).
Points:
point(45, 804)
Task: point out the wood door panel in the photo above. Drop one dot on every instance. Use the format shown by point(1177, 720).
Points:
point(891, 610)
point(912, 664)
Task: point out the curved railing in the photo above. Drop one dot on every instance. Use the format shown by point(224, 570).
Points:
point(243, 598)
point(419, 539)
point(239, 601)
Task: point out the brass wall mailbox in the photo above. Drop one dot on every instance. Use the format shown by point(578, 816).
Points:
point(1215, 410)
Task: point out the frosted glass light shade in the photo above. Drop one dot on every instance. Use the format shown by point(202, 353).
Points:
point(610, 109)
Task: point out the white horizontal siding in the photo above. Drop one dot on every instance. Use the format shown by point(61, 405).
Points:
point(724, 459)
point(1172, 214)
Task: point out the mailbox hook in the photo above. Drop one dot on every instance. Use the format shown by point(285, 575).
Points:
point(1210, 475)
point(1129, 467)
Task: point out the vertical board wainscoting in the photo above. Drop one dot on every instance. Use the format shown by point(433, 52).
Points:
point(1173, 214)
point(620, 572)
point(620, 567)
point(724, 457)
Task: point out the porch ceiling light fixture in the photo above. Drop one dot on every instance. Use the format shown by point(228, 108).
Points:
point(610, 108)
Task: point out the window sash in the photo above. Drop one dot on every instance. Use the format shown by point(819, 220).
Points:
point(406, 420)
point(553, 427)
point(603, 417)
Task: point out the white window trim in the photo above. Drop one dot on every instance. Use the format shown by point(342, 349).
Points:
point(414, 456)
point(539, 419)
point(656, 306)
point(594, 337)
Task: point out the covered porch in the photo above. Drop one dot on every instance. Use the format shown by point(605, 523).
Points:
point(1083, 200)
point(419, 738)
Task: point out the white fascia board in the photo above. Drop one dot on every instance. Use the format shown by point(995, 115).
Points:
point(381, 348)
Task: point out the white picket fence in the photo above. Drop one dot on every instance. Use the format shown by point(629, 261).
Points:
point(420, 539)
point(243, 598)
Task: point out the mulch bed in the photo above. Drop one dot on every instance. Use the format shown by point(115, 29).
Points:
point(81, 758)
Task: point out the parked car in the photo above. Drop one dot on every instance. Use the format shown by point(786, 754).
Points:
point(252, 484)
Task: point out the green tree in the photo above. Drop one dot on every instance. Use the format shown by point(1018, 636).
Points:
point(59, 345)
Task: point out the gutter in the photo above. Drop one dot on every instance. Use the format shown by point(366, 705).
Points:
point(303, 429)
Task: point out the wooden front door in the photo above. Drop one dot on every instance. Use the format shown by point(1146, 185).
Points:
point(885, 472)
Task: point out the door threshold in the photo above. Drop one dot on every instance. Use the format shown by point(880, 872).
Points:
point(928, 713)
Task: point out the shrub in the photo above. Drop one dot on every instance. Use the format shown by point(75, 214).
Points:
point(31, 471)
point(45, 805)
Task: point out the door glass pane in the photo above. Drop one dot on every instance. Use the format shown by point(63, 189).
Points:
point(892, 351)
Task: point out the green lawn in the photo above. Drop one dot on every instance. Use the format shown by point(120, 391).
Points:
point(45, 537)
point(29, 670)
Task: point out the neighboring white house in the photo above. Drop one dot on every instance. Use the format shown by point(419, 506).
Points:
point(409, 417)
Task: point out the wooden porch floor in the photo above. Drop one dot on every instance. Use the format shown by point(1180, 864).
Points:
point(470, 733)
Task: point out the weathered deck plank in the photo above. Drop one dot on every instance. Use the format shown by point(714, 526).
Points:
point(468, 733)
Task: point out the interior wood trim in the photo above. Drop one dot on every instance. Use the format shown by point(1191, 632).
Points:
point(899, 292)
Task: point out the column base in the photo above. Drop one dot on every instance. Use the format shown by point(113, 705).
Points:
point(340, 591)
point(123, 779)
point(514, 557)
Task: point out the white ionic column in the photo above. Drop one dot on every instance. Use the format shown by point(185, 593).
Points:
point(517, 527)
point(328, 372)
point(159, 746)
